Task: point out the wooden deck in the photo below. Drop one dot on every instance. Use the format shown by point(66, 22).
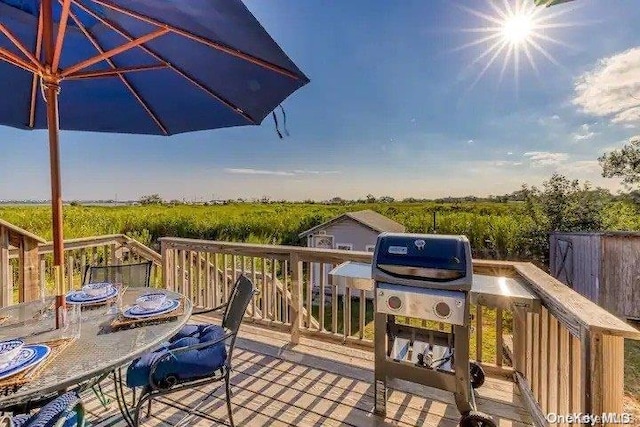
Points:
point(314, 384)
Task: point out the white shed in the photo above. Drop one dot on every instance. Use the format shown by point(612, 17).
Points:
point(351, 231)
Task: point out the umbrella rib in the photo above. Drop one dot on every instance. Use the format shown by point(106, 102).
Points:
point(62, 28)
point(113, 72)
point(13, 59)
point(113, 52)
point(124, 80)
point(213, 44)
point(172, 67)
point(17, 43)
point(34, 79)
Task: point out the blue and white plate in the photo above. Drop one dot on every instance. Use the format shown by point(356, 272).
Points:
point(29, 356)
point(137, 312)
point(9, 350)
point(80, 297)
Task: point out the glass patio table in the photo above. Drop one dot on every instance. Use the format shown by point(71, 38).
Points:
point(96, 352)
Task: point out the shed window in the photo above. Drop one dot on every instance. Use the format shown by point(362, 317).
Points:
point(344, 246)
point(370, 248)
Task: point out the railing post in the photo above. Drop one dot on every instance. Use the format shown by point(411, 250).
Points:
point(167, 265)
point(296, 297)
point(30, 269)
point(5, 291)
point(602, 373)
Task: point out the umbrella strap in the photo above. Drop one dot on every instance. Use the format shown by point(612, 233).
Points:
point(44, 86)
point(275, 119)
point(284, 122)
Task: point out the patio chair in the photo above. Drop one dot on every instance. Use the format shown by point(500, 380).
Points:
point(65, 410)
point(128, 274)
point(196, 356)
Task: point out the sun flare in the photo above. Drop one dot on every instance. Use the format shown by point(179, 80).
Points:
point(513, 30)
point(517, 29)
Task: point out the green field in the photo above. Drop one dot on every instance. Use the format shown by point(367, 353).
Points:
point(497, 230)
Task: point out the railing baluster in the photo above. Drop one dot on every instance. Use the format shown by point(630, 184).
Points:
point(216, 281)
point(274, 290)
point(70, 264)
point(285, 287)
point(334, 306)
point(499, 344)
point(321, 285)
point(362, 313)
point(346, 300)
point(264, 290)
point(226, 277)
point(253, 280)
point(563, 371)
point(296, 298)
point(543, 366)
point(535, 355)
point(479, 333)
point(309, 288)
point(552, 369)
point(574, 375)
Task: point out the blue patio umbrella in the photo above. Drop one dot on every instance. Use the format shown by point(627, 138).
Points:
point(135, 66)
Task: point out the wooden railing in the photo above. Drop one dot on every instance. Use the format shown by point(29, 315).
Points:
point(79, 253)
point(566, 358)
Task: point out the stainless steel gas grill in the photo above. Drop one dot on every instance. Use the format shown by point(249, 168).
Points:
point(429, 277)
point(425, 277)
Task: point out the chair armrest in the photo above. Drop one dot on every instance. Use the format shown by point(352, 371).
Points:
point(173, 352)
point(210, 310)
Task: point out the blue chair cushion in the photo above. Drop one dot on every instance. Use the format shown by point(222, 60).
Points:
point(60, 408)
point(185, 366)
point(19, 420)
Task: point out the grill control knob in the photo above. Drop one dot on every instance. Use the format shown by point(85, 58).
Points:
point(442, 309)
point(394, 302)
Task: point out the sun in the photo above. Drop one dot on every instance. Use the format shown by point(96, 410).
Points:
point(516, 31)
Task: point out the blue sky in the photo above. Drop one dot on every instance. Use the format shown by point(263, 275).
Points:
point(392, 109)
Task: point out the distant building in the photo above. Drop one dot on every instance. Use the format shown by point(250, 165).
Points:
point(352, 231)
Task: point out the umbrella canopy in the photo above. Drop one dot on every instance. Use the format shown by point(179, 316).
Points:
point(136, 66)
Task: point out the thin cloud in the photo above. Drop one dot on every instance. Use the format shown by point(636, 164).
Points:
point(545, 158)
point(243, 171)
point(612, 88)
point(297, 172)
point(584, 133)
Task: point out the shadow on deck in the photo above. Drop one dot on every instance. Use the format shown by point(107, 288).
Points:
point(313, 384)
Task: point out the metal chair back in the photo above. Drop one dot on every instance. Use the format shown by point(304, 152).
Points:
point(239, 300)
point(138, 275)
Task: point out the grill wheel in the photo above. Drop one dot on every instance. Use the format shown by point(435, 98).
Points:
point(477, 374)
point(476, 419)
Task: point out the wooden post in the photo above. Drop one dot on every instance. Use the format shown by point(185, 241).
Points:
point(296, 300)
point(5, 291)
point(602, 373)
point(167, 274)
point(30, 262)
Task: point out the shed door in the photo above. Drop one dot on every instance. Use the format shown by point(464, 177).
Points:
point(564, 262)
point(620, 287)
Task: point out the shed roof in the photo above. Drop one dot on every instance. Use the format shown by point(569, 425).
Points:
point(373, 220)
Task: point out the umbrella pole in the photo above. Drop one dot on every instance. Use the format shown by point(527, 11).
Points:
point(51, 91)
point(51, 88)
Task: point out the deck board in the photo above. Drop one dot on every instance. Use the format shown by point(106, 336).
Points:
point(314, 384)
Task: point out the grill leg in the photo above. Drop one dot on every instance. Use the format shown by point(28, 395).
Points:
point(464, 395)
point(380, 384)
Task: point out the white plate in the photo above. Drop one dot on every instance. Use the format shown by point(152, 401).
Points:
point(79, 297)
point(137, 312)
